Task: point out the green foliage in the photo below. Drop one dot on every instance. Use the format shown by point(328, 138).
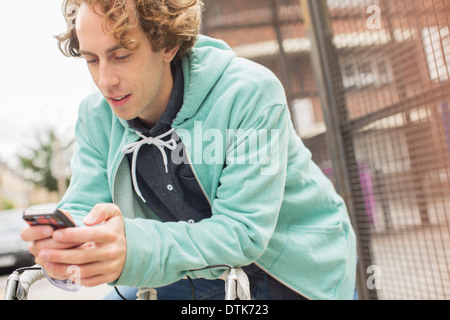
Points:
point(37, 163)
point(7, 204)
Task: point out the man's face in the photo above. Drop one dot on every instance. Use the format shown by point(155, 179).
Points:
point(135, 83)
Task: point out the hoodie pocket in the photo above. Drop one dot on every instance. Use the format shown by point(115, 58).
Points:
point(316, 258)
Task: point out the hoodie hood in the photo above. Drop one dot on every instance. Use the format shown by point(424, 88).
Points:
point(202, 68)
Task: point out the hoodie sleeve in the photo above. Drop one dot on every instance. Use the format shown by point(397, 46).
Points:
point(245, 212)
point(89, 182)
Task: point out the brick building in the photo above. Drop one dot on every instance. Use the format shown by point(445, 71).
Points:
point(18, 193)
point(391, 76)
point(13, 189)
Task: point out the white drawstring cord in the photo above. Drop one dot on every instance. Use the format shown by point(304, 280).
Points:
point(157, 142)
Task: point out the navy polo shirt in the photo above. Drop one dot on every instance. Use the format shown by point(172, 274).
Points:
point(174, 195)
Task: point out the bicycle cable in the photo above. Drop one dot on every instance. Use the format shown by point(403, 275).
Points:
point(120, 295)
point(20, 270)
point(191, 283)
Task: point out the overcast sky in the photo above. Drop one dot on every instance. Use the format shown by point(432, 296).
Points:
point(39, 87)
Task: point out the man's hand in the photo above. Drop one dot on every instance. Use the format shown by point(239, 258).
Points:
point(99, 250)
point(41, 237)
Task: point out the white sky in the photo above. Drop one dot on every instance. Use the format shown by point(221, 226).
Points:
point(39, 87)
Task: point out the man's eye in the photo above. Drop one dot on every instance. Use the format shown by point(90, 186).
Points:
point(122, 58)
point(91, 61)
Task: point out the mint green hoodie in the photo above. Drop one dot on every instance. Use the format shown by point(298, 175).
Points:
point(270, 204)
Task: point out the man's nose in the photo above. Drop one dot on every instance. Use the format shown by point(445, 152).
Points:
point(108, 77)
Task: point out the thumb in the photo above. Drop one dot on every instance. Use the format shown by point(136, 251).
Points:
point(102, 213)
point(67, 214)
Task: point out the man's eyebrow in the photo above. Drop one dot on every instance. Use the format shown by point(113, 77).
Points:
point(112, 49)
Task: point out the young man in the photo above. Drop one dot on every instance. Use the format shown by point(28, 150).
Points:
point(187, 159)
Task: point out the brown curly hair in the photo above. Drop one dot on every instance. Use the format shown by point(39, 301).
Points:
point(167, 23)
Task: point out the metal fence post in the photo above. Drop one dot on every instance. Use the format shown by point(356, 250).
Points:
point(340, 142)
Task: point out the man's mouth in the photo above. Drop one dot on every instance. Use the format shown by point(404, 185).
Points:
point(120, 98)
point(119, 101)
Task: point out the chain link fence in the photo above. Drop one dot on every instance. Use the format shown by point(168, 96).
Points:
point(368, 83)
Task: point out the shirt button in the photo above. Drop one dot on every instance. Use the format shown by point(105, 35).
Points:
point(191, 221)
point(169, 187)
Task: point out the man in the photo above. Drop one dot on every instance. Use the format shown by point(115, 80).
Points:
point(188, 160)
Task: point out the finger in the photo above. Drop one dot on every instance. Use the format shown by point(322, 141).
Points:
point(102, 213)
point(71, 256)
point(37, 246)
point(98, 268)
point(82, 254)
point(89, 275)
point(98, 273)
point(97, 280)
point(68, 215)
point(54, 270)
point(36, 233)
point(99, 234)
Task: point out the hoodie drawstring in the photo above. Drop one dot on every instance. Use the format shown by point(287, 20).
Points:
point(157, 142)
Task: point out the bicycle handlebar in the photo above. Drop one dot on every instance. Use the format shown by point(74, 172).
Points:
point(17, 286)
point(27, 279)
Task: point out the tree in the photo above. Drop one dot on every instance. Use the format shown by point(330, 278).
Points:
point(38, 162)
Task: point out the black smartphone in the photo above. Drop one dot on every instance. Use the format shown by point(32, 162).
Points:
point(56, 219)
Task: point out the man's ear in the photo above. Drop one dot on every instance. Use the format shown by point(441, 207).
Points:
point(170, 53)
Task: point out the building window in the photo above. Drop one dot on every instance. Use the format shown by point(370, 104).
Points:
point(342, 4)
point(366, 72)
point(305, 121)
point(436, 43)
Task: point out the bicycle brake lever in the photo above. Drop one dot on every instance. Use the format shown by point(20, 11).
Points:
point(11, 286)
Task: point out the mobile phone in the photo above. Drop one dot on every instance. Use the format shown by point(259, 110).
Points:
point(56, 219)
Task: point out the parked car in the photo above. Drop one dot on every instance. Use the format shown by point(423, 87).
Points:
point(13, 250)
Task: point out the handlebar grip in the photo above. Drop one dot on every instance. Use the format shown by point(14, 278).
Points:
point(27, 279)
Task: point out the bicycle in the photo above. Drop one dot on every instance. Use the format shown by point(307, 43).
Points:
point(237, 285)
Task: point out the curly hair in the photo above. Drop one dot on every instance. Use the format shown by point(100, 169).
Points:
point(167, 23)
